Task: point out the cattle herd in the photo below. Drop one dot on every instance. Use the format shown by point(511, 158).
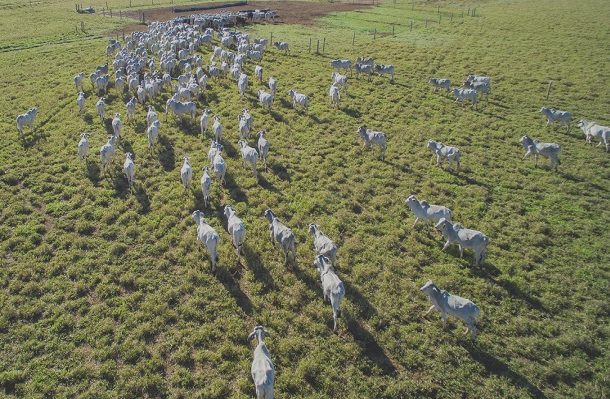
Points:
point(167, 57)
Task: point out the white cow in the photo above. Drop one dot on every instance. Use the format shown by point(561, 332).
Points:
point(206, 183)
point(80, 101)
point(332, 287)
point(179, 108)
point(451, 154)
point(131, 108)
point(263, 146)
point(152, 132)
point(465, 94)
point(248, 156)
point(282, 46)
point(424, 211)
point(452, 305)
point(117, 125)
point(219, 166)
point(554, 115)
point(263, 372)
point(335, 96)
point(341, 64)
point(322, 244)
point(298, 98)
point(547, 150)
point(371, 137)
point(340, 80)
point(27, 119)
point(272, 85)
point(78, 81)
point(593, 129)
point(100, 106)
point(217, 129)
point(440, 83)
point(107, 152)
point(83, 146)
point(186, 173)
point(382, 69)
point(151, 115)
point(129, 169)
point(236, 229)
point(258, 72)
point(242, 84)
point(208, 237)
point(283, 236)
point(265, 99)
point(204, 120)
point(464, 238)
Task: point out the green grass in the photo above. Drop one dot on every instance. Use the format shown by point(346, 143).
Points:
point(105, 294)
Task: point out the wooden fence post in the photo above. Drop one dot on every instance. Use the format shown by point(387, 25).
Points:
point(323, 45)
point(468, 11)
point(107, 6)
point(548, 91)
point(129, 3)
point(123, 34)
point(354, 38)
point(439, 18)
point(318, 47)
point(110, 13)
point(120, 14)
point(393, 30)
point(310, 45)
point(375, 34)
point(103, 12)
point(451, 17)
point(426, 22)
point(411, 26)
point(82, 26)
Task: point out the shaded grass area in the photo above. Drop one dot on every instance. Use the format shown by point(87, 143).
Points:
point(105, 293)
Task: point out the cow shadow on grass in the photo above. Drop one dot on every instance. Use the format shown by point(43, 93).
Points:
point(293, 267)
point(266, 184)
point(276, 116)
point(229, 149)
point(167, 158)
point(188, 126)
point(367, 309)
point(235, 192)
point(497, 367)
point(139, 126)
point(255, 263)
point(30, 140)
point(88, 118)
point(93, 172)
point(490, 273)
point(126, 145)
point(142, 197)
point(351, 112)
point(120, 184)
point(368, 345)
point(281, 172)
point(232, 285)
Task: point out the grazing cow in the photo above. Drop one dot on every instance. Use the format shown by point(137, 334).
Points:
point(78, 81)
point(204, 120)
point(258, 72)
point(593, 129)
point(119, 84)
point(481, 87)
point(100, 106)
point(439, 83)
point(208, 237)
point(107, 152)
point(151, 115)
point(219, 166)
point(80, 101)
point(322, 244)
point(452, 305)
point(242, 84)
point(451, 154)
point(337, 65)
point(424, 211)
point(282, 46)
point(272, 84)
point(255, 55)
point(298, 98)
point(365, 69)
point(206, 183)
point(236, 229)
point(186, 173)
point(214, 148)
point(371, 137)
point(217, 129)
point(340, 81)
point(263, 146)
point(334, 95)
point(332, 287)
point(248, 156)
point(464, 238)
point(129, 169)
point(131, 108)
point(465, 94)
point(547, 150)
point(83, 146)
point(26, 119)
point(117, 125)
point(262, 370)
point(382, 69)
point(152, 132)
point(554, 115)
point(179, 108)
point(477, 78)
point(265, 99)
point(281, 234)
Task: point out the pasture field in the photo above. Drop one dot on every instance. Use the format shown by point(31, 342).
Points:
point(106, 294)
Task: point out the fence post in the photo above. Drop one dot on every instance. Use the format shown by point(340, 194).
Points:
point(123, 34)
point(107, 6)
point(426, 22)
point(438, 9)
point(375, 34)
point(474, 10)
point(354, 38)
point(411, 26)
point(439, 19)
point(129, 3)
point(143, 19)
point(120, 14)
point(110, 13)
point(468, 11)
point(82, 26)
point(318, 47)
point(310, 45)
point(323, 45)
point(548, 91)
point(271, 41)
point(451, 17)
point(393, 30)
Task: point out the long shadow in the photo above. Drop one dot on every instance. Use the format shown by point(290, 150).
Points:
point(88, 118)
point(285, 103)
point(355, 296)
point(139, 126)
point(266, 184)
point(354, 113)
point(93, 172)
point(143, 199)
point(369, 345)
point(126, 145)
point(235, 192)
point(281, 172)
point(277, 116)
point(311, 283)
point(166, 155)
point(232, 285)
point(188, 126)
point(120, 184)
point(33, 138)
point(108, 126)
point(255, 264)
point(229, 148)
point(498, 368)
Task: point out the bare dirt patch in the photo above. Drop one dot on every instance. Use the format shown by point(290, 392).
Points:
point(289, 12)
